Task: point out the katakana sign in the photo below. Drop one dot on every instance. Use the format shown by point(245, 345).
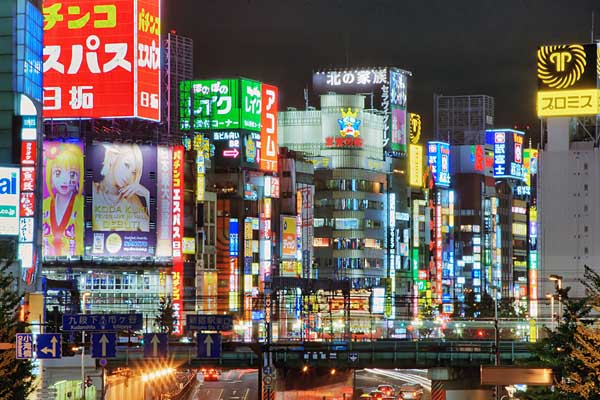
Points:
point(220, 104)
point(102, 58)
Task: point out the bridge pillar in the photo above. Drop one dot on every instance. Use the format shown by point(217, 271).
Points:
point(457, 384)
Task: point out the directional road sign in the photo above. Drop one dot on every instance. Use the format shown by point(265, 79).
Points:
point(209, 322)
point(155, 345)
point(104, 345)
point(209, 345)
point(102, 322)
point(24, 345)
point(353, 357)
point(49, 345)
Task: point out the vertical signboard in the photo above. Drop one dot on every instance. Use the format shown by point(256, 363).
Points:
point(438, 162)
point(102, 59)
point(398, 115)
point(9, 200)
point(270, 148)
point(177, 201)
point(288, 237)
point(62, 209)
point(122, 185)
point(415, 159)
point(164, 227)
point(508, 152)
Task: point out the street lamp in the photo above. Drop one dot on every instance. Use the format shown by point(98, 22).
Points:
point(557, 279)
point(551, 297)
point(83, 299)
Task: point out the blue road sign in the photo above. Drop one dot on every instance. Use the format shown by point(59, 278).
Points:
point(104, 345)
point(209, 322)
point(155, 345)
point(49, 345)
point(209, 345)
point(102, 322)
point(24, 346)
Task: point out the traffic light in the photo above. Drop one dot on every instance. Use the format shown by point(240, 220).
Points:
point(480, 333)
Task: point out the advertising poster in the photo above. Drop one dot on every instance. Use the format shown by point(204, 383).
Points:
point(398, 142)
point(101, 59)
point(121, 188)
point(62, 208)
point(9, 201)
point(288, 237)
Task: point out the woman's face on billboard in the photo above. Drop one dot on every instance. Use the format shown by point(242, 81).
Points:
point(125, 169)
point(64, 180)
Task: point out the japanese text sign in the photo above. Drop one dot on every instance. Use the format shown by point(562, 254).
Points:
point(415, 159)
point(220, 104)
point(508, 153)
point(102, 59)
point(24, 346)
point(209, 322)
point(438, 161)
point(560, 103)
point(270, 148)
point(177, 201)
point(102, 322)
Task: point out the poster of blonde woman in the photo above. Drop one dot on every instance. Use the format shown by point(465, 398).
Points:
point(62, 209)
point(121, 188)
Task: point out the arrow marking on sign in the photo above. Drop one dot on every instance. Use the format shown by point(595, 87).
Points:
point(208, 342)
point(155, 341)
point(231, 153)
point(52, 350)
point(104, 341)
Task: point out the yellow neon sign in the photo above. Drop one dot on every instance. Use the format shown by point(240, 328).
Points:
point(415, 158)
point(560, 67)
point(563, 103)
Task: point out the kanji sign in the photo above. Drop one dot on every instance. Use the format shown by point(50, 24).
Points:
point(102, 58)
point(209, 322)
point(508, 152)
point(24, 346)
point(102, 322)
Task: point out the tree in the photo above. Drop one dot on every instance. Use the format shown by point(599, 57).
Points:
point(165, 319)
point(572, 348)
point(16, 376)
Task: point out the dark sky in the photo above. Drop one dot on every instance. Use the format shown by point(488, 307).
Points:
point(451, 47)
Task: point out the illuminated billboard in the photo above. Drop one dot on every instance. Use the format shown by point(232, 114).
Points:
point(389, 88)
point(220, 104)
point(235, 148)
point(270, 148)
point(122, 184)
point(178, 185)
point(62, 207)
point(530, 165)
point(568, 80)
point(164, 194)
point(9, 200)
point(415, 159)
point(288, 237)
point(508, 152)
point(438, 162)
point(102, 59)
point(415, 127)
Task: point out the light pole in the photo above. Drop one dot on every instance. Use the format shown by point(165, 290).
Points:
point(551, 297)
point(557, 279)
point(83, 299)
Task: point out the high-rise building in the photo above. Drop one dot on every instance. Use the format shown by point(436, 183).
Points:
point(463, 119)
point(178, 66)
point(21, 133)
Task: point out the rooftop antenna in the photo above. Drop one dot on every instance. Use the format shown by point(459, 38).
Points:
point(306, 98)
point(593, 36)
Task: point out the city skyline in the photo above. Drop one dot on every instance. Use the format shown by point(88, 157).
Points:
point(469, 48)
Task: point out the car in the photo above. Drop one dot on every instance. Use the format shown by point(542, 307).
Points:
point(210, 374)
point(377, 395)
point(388, 390)
point(411, 391)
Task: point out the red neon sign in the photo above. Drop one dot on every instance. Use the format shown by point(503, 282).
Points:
point(347, 141)
point(269, 149)
point(100, 60)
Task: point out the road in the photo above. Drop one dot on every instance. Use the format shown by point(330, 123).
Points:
point(237, 384)
point(243, 385)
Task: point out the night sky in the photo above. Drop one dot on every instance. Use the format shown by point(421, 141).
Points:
point(451, 47)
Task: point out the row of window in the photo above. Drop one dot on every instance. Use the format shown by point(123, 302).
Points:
point(348, 223)
point(346, 243)
point(350, 204)
point(358, 263)
point(353, 185)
